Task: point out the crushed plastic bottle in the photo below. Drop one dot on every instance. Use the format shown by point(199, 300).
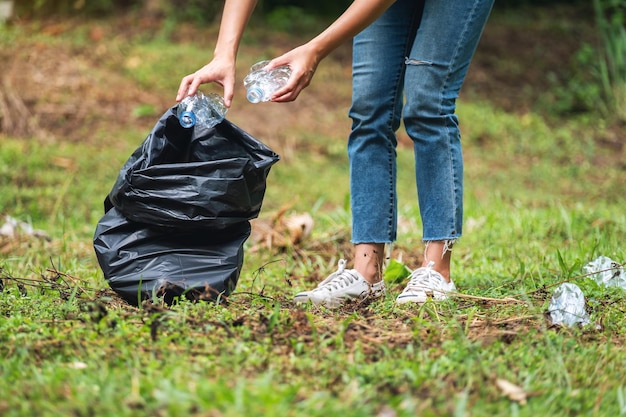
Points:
point(606, 272)
point(567, 306)
point(260, 84)
point(202, 110)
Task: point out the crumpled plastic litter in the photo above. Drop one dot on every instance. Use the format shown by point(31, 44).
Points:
point(606, 272)
point(567, 306)
point(12, 227)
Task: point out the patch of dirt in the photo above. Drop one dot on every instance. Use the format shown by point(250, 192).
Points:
point(50, 91)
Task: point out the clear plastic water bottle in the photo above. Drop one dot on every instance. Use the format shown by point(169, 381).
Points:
point(202, 110)
point(260, 84)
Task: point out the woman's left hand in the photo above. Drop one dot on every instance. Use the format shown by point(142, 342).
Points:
point(303, 62)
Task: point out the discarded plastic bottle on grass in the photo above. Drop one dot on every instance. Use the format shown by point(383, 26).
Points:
point(202, 110)
point(567, 306)
point(260, 84)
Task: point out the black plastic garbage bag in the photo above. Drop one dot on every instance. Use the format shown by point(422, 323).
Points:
point(141, 262)
point(190, 178)
point(177, 217)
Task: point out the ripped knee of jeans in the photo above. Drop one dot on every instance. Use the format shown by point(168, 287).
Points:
point(447, 246)
point(413, 61)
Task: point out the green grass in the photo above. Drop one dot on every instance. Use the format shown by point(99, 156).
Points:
point(542, 200)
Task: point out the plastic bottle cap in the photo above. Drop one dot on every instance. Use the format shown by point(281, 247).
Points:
point(254, 95)
point(187, 119)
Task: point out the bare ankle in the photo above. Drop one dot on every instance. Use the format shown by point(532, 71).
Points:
point(439, 252)
point(368, 261)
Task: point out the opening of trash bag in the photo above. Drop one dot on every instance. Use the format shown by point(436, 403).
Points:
point(189, 178)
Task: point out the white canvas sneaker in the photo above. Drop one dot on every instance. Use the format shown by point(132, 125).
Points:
point(340, 286)
point(423, 283)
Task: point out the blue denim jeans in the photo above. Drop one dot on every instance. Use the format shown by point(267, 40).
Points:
point(409, 65)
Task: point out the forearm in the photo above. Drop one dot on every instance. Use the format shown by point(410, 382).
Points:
point(356, 18)
point(234, 19)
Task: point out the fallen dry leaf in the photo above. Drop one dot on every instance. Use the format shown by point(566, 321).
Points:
point(514, 392)
point(281, 231)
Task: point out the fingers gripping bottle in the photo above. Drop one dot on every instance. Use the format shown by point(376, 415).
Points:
point(202, 110)
point(260, 84)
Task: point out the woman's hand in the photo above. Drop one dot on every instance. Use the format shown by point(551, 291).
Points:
point(219, 71)
point(304, 59)
point(303, 62)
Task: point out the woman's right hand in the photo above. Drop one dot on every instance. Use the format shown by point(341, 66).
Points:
point(219, 71)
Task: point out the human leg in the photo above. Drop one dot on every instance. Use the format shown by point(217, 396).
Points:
point(378, 72)
point(377, 99)
point(436, 67)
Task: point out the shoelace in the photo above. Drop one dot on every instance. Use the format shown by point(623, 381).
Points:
point(424, 279)
point(340, 279)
